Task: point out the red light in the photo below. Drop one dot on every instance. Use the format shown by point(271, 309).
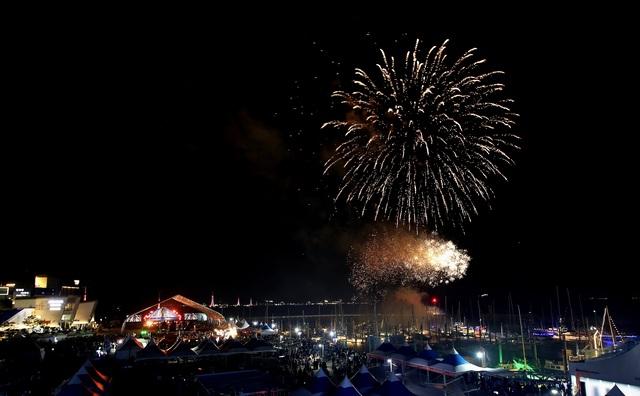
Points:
point(434, 300)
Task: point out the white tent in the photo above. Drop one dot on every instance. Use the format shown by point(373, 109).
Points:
point(265, 330)
point(242, 324)
point(453, 365)
point(600, 375)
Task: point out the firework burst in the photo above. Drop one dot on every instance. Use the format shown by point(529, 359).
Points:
point(406, 259)
point(425, 138)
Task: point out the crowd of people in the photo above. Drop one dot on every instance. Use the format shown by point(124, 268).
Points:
point(303, 357)
point(520, 387)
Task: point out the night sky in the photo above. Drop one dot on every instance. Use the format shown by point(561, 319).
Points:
point(164, 154)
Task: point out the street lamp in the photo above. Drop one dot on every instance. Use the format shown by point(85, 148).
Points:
point(390, 365)
point(332, 334)
point(321, 346)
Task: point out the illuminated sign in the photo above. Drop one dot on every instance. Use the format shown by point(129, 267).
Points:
point(55, 305)
point(22, 293)
point(4, 291)
point(41, 282)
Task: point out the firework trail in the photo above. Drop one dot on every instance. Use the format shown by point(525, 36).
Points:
point(405, 259)
point(424, 139)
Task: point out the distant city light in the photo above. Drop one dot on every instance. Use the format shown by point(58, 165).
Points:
point(332, 333)
point(55, 304)
point(40, 282)
point(76, 282)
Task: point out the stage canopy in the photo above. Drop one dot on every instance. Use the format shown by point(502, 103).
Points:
point(174, 309)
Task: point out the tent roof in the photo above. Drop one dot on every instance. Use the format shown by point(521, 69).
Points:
point(207, 347)
point(453, 364)
point(232, 345)
point(346, 388)
point(420, 362)
point(8, 314)
point(86, 380)
point(94, 372)
point(407, 351)
point(454, 359)
point(320, 383)
point(320, 373)
point(300, 392)
point(211, 314)
point(363, 379)
point(242, 324)
point(258, 345)
point(253, 343)
point(394, 387)
point(182, 350)
point(151, 351)
point(615, 391)
point(428, 354)
point(620, 367)
point(130, 343)
point(386, 347)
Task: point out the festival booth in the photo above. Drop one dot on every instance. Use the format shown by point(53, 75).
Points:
point(363, 380)
point(321, 384)
point(600, 375)
point(346, 388)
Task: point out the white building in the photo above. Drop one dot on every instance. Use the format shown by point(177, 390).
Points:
point(58, 311)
